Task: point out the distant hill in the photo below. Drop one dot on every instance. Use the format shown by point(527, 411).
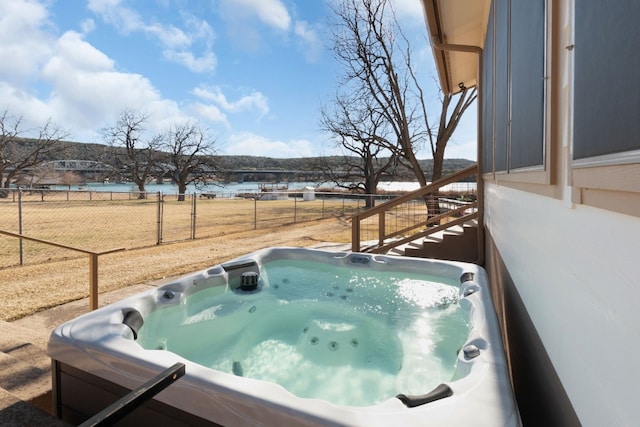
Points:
point(307, 163)
point(101, 152)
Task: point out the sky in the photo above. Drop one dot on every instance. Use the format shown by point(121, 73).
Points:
point(255, 73)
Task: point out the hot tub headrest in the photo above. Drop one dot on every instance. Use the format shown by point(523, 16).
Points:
point(134, 320)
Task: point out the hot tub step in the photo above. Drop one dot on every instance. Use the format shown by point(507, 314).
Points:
point(24, 350)
point(16, 412)
point(22, 379)
point(25, 376)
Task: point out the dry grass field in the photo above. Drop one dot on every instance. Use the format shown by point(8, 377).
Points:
point(102, 225)
point(64, 275)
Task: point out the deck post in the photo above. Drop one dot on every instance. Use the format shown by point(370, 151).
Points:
point(93, 281)
point(355, 233)
point(381, 227)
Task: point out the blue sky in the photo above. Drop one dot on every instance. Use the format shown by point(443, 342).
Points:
point(255, 72)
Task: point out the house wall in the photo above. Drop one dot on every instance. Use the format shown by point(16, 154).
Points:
point(574, 270)
point(542, 400)
point(562, 237)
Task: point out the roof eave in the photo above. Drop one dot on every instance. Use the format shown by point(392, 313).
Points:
point(461, 23)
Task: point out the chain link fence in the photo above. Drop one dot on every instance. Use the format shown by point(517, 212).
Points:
point(102, 221)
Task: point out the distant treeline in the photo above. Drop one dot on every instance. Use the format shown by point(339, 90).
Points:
point(103, 153)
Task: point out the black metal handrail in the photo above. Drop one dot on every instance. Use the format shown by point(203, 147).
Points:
point(128, 403)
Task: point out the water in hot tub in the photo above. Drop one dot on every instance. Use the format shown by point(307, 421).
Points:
point(349, 336)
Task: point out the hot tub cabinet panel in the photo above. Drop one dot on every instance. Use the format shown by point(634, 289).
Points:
point(86, 394)
point(96, 359)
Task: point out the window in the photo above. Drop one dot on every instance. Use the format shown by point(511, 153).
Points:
point(488, 98)
point(514, 78)
point(527, 84)
point(606, 91)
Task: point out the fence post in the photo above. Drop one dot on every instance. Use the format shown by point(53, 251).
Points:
point(21, 249)
point(255, 213)
point(295, 209)
point(159, 221)
point(93, 263)
point(193, 217)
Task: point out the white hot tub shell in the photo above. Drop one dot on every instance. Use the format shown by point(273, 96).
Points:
point(96, 360)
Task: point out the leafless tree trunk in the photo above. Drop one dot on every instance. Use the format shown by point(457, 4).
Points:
point(19, 154)
point(70, 178)
point(135, 156)
point(189, 149)
point(355, 127)
point(376, 57)
point(447, 123)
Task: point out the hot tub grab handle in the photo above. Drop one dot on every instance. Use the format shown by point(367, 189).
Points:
point(440, 392)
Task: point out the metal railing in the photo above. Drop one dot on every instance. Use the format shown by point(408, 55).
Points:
point(414, 215)
point(99, 221)
point(93, 262)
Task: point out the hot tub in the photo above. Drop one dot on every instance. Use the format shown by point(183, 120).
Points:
point(290, 336)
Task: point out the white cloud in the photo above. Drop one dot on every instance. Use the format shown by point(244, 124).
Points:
point(210, 112)
point(87, 90)
point(78, 55)
point(199, 28)
point(24, 45)
point(312, 44)
point(124, 19)
point(168, 35)
point(206, 62)
point(257, 145)
point(66, 78)
point(127, 20)
point(23, 104)
point(175, 41)
point(87, 26)
point(270, 12)
point(255, 101)
point(246, 19)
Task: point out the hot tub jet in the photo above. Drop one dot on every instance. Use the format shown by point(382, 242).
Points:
point(249, 281)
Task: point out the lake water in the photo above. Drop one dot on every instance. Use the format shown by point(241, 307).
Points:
point(253, 187)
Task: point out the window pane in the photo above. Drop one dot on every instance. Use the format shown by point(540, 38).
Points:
point(607, 64)
point(527, 83)
point(487, 99)
point(502, 83)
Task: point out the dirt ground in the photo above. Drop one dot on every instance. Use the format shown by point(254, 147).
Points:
point(28, 289)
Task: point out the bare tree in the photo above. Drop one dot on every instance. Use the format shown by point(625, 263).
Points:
point(135, 155)
point(447, 123)
point(69, 178)
point(40, 176)
point(189, 149)
point(376, 57)
point(20, 154)
point(355, 127)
